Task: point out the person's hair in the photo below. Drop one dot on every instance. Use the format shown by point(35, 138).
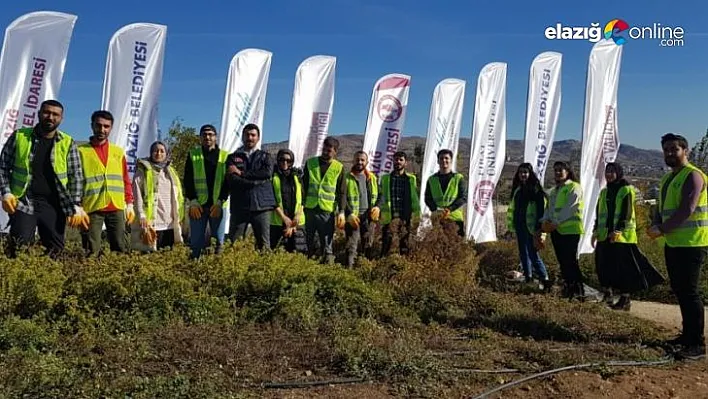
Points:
point(249, 127)
point(532, 181)
point(103, 114)
point(566, 166)
point(444, 152)
point(682, 142)
point(332, 142)
point(361, 152)
point(207, 127)
point(400, 154)
point(52, 103)
point(617, 168)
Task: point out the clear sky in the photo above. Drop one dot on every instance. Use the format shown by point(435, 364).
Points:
point(661, 88)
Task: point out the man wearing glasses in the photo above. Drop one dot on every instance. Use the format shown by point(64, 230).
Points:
point(288, 218)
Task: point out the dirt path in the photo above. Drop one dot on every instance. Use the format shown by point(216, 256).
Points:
point(665, 315)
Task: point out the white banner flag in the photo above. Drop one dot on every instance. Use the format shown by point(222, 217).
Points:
point(31, 69)
point(313, 99)
point(244, 101)
point(600, 134)
point(384, 127)
point(488, 151)
point(443, 131)
point(131, 87)
point(542, 110)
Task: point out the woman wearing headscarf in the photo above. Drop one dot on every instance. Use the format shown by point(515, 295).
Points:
point(620, 266)
point(527, 206)
point(288, 218)
point(563, 219)
point(159, 204)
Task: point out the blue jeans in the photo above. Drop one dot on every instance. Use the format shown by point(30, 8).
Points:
point(529, 255)
point(197, 232)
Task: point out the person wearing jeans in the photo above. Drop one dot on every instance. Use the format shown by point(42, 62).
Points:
point(563, 219)
point(204, 189)
point(250, 171)
point(682, 224)
point(528, 203)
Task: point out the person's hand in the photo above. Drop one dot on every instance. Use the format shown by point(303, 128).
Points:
point(341, 221)
point(653, 232)
point(615, 235)
point(353, 221)
point(195, 210)
point(375, 213)
point(296, 220)
point(129, 214)
point(445, 213)
point(548, 226)
point(9, 203)
point(144, 223)
point(235, 170)
point(149, 236)
point(287, 221)
point(80, 219)
point(215, 210)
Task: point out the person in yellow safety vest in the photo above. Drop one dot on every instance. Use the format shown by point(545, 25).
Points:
point(108, 190)
point(41, 182)
point(398, 203)
point(159, 202)
point(564, 220)
point(360, 190)
point(322, 180)
point(526, 208)
point(620, 265)
point(288, 219)
point(206, 192)
point(682, 222)
point(446, 192)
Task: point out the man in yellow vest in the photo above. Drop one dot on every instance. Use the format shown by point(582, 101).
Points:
point(446, 192)
point(41, 182)
point(398, 201)
point(204, 189)
point(108, 190)
point(288, 218)
point(361, 192)
point(322, 181)
point(682, 221)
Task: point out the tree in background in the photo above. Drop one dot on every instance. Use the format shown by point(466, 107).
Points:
point(699, 153)
point(181, 139)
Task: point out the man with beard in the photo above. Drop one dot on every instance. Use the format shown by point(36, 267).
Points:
point(252, 198)
point(361, 192)
point(682, 221)
point(398, 200)
point(204, 189)
point(322, 180)
point(42, 182)
point(288, 218)
point(446, 192)
point(108, 192)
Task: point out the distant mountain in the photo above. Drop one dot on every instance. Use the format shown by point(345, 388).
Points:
point(636, 161)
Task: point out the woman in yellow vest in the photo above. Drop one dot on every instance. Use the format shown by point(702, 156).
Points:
point(288, 219)
point(159, 204)
point(563, 219)
point(620, 266)
point(527, 206)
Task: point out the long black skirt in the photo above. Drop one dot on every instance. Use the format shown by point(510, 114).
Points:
point(624, 268)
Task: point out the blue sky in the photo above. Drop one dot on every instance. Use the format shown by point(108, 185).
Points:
point(661, 89)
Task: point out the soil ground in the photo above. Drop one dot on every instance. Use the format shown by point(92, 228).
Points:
point(676, 380)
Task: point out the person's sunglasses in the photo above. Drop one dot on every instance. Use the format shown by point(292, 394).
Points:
point(287, 160)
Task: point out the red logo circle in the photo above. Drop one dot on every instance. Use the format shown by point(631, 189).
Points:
point(483, 196)
point(389, 108)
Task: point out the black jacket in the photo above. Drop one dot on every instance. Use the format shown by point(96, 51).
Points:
point(253, 190)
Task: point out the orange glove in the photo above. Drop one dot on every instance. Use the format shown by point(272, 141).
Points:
point(614, 236)
point(353, 221)
point(375, 213)
point(9, 203)
point(445, 213)
point(341, 221)
point(215, 210)
point(195, 210)
point(149, 236)
point(548, 226)
point(79, 220)
point(129, 214)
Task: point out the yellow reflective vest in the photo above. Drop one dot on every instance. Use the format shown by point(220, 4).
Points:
point(103, 184)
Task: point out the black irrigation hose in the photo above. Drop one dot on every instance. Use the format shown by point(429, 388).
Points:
point(308, 384)
point(665, 360)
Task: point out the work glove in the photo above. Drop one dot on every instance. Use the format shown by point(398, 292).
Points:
point(195, 210)
point(445, 213)
point(375, 213)
point(79, 220)
point(9, 203)
point(340, 221)
point(539, 241)
point(288, 232)
point(129, 214)
point(149, 236)
point(353, 221)
point(215, 210)
point(614, 236)
point(548, 226)
point(653, 232)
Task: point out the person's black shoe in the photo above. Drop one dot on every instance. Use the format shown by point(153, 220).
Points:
point(674, 342)
point(624, 303)
point(547, 286)
point(692, 352)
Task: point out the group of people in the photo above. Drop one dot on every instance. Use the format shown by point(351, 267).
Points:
point(679, 224)
point(47, 182)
